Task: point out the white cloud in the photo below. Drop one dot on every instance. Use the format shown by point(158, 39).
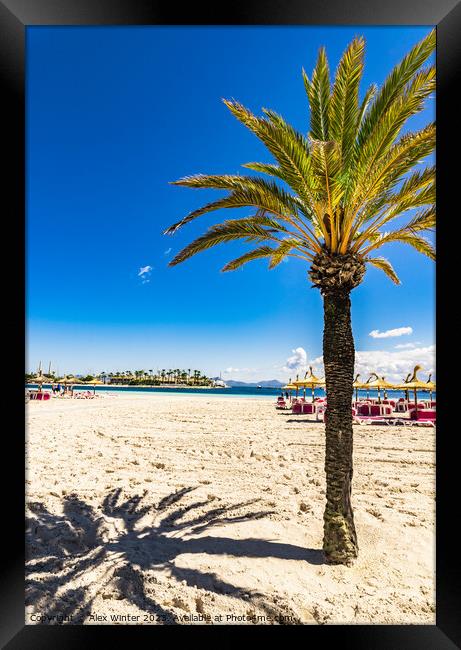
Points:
point(398, 331)
point(297, 362)
point(231, 370)
point(405, 346)
point(393, 365)
point(144, 273)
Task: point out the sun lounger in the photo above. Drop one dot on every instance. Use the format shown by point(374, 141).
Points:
point(42, 396)
point(372, 419)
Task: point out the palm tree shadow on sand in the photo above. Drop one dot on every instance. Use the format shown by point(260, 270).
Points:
point(74, 557)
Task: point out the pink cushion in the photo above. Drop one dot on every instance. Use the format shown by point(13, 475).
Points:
point(309, 408)
point(297, 408)
point(426, 414)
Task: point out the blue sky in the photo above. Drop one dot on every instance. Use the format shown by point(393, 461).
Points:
point(113, 115)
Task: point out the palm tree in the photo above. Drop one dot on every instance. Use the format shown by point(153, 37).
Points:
point(343, 183)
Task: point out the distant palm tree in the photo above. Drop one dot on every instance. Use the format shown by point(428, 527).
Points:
point(342, 185)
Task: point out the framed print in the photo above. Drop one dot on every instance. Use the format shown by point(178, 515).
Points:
point(255, 447)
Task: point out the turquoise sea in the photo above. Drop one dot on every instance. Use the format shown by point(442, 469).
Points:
point(240, 391)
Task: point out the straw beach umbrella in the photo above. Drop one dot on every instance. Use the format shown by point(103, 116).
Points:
point(358, 385)
point(415, 384)
point(380, 383)
point(71, 381)
point(290, 386)
point(430, 386)
point(40, 379)
point(310, 381)
point(299, 383)
point(94, 382)
point(387, 385)
point(404, 386)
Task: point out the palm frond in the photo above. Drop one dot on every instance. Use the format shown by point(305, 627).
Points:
point(344, 102)
point(245, 192)
point(394, 84)
point(258, 228)
point(318, 93)
point(265, 168)
point(369, 94)
point(256, 253)
point(404, 236)
point(380, 142)
point(282, 250)
point(375, 190)
point(289, 148)
point(336, 189)
point(423, 220)
point(384, 264)
point(326, 160)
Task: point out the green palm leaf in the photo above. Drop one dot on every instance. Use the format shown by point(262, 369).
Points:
point(344, 103)
point(404, 236)
point(245, 192)
point(249, 229)
point(394, 84)
point(318, 93)
point(334, 190)
point(256, 253)
point(386, 266)
point(281, 252)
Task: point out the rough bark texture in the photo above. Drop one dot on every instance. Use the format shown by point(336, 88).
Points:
point(336, 276)
point(336, 272)
point(340, 540)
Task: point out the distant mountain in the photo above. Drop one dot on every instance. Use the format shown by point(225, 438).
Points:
point(264, 383)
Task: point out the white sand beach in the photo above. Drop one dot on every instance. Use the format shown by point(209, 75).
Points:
point(151, 509)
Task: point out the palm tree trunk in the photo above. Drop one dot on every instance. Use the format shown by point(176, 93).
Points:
point(340, 540)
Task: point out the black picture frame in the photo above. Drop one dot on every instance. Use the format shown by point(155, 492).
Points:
point(15, 16)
